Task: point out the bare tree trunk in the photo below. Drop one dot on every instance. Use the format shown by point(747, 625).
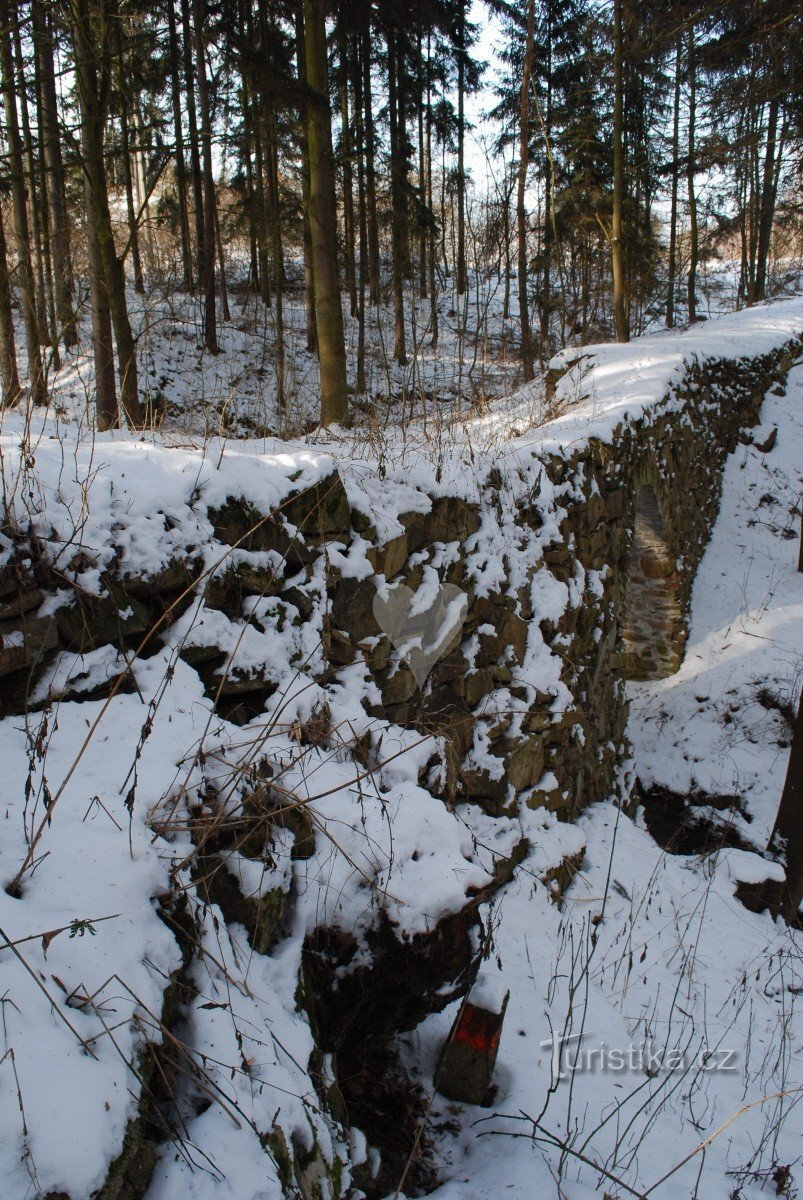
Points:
point(208, 258)
point(54, 175)
point(178, 138)
point(370, 171)
point(323, 221)
point(767, 202)
point(91, 35)
point(423, 212)
point(278, 256)
point(8, 18)
point(619, 313)
point(362, 217)
point(34, 206)
point(348, 180)
point(692, 162)
point(673, 215)
point(521, 211)
point(41, 172)
point(433, 283)
point(8, 350)
point(224, 291)
point(460, 286)
point(195, 154)
point(397, 213)
point(309, 276)
point(133, 231)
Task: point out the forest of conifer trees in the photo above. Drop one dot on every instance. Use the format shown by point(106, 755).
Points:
point(329, 153)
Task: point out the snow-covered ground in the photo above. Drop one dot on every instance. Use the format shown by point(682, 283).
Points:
point(648, 951)
point(234, 393)
point(722, 724)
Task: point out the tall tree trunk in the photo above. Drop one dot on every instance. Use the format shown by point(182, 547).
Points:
point(141, 179)
point(41, 172)
point(208, 258)
point(549, 181)
point(690, 172)
point(460, 285)
point(673, 214)
point(617, 268)
point(323, 221)
point(433, 288)
point(309, 275)
point(423, 212)
point(397, 211)
point(278, 256)
point(521, 185)
point(370, 170)
point(54, 174)
point(224, 291)
point(178, 138)
point(195, 154)
point(34, 206)
point(767, 202)
point(250, 191)
point(8, 350)
point(362, 217)
point(131, 209)
point(346, 164)
point(91, 36)
point(38, 392)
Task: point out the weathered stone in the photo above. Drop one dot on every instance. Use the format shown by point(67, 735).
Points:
point(482, 789)
point(352, 608)
point(525, 764)
point(478, 684)
point(451, 520)
point(322, 509)
point(174, 577)
point(92, 621)
point(300, 600)
point(237, 523)
point(769, 442)
point(399, 686)
point(240, 683)
point(615, 503)
point(22, 602)
point(389, 559)
point(25, 645)
point(415, 526)
point(342, 649)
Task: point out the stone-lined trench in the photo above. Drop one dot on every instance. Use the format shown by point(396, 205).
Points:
point(615, 530)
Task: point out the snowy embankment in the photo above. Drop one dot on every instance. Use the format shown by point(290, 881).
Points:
point(681, 1008)
point(99, 805)
point(722, 725)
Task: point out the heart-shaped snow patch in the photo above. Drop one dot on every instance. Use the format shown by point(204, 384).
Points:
point(422, 625)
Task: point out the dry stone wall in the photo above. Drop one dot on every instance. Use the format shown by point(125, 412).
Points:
point(577, 570)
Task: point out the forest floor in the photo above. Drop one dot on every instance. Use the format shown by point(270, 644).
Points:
point(199, 395)
point(677, 964)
